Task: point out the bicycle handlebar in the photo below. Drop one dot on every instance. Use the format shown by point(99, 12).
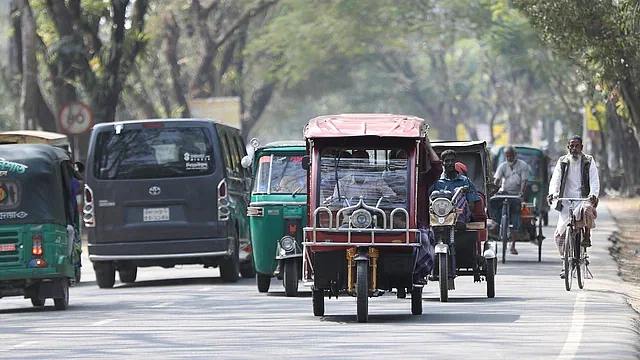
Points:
point(506, 197)
point(573, 199)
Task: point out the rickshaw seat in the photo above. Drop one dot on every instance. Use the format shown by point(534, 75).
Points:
point(479, 212)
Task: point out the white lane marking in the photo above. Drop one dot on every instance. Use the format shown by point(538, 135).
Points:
point(205, 289)
point(26, 343)
point(575, 332)
point(103, 322)
point(162, 305)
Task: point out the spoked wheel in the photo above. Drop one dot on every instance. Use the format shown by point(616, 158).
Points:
point(504, 228)
point(540, 237)
point(362, 290)
point(490, 276)
point(443, 277)
point(416, 301)
point(263, 282)
point(290, 278)
point(402, 293)
point(318, 302)
point(580, 263)
point(568, 261)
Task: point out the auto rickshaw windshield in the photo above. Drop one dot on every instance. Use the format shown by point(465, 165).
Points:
point(532, 159)
point(372, 174)
point(280, 174)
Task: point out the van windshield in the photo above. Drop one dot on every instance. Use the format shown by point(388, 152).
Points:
point(280, 174)
point(153, 153)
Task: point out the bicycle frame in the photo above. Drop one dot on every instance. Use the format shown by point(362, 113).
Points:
point(574, 253)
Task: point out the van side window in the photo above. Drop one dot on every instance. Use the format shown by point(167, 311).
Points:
point(242, 151)
point(235, 157)
point(226, 153)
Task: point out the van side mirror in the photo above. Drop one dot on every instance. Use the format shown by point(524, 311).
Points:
point(246, 161)
point(79, 167)
point(306, 162)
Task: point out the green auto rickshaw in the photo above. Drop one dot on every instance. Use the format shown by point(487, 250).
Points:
point(39, 246)
point(277, 212)
point(538, 182)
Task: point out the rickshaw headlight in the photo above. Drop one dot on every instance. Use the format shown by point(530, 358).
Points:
point(441, 206)
point(361, 219)
point(535, 187)
point(287, 243)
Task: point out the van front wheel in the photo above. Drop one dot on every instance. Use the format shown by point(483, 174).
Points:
point(105, 273)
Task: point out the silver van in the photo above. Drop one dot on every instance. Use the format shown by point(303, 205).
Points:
point(165, 193)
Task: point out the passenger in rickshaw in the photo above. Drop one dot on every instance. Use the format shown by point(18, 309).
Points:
point(450, 180)
point(512, 177)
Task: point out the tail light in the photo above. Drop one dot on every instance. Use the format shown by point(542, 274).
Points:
point(223, 201)
point(88, 210)
point(36, 245)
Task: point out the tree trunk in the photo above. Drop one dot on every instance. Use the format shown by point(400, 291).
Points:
point(172, 34)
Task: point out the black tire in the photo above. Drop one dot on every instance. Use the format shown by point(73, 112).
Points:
point(443, 277)
point(504, 227)
point(230, 266)
point(62, 303)
point(579, 251)
point(362, 290)
point(568, 278)
point(416, 301)
point(540, 238)
point(545, 218)
point(247, 270)
point(105, 274)
point(401, 293)
point(128, 275)
point(263, 282)
point(78, 274)
point(291, 277)
point(490, 276)
point(37, 302)
point(318, 302)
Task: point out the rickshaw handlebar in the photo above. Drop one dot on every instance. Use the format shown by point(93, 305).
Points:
point(506, 197)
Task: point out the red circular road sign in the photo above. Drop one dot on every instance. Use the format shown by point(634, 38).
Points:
point(75, 118)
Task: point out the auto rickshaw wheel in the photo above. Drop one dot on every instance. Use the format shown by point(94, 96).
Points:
point(318, 302)
point(63, 302)
point(443, 277)
point(263, 282)
point(490, 276)
point(416, 301)
point(105, 273)
point(246, 270)
point(37, 302)
point(128, 274)
point(401, 293)
point(362, 290)
point(290, 277)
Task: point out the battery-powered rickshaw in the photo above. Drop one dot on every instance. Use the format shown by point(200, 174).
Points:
point(38, 225)
point(362, 233)
point(277, 212)
point(466, 251)
point(534, 209)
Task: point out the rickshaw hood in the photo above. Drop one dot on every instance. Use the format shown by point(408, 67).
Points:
point(351, 125)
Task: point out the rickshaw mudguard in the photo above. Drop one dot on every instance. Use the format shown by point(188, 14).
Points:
point(442, 248)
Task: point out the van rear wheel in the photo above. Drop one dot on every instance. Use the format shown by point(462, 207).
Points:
point(105, 273)
point(230, 266)
point(37, 302)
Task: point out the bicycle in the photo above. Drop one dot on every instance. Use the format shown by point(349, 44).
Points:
point(576, 260)
point(504, 235)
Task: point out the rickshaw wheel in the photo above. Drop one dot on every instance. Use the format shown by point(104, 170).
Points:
point(504, 231)
point(443, 277)
point(545, 218)
point(63, 302)
point(263, 282)
point(490, 276)
point(362, 290)
point(416, 301)
point(540, 237)
point(290, 278)
point(37, 302)
point(401, 293)
point(318, 302)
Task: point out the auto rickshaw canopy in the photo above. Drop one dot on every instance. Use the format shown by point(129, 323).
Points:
point(351, 125)
point(32, 184)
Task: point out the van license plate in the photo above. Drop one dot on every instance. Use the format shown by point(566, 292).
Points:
point(155, 214)
point(7, 247)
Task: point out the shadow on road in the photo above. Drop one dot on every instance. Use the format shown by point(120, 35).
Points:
point(183, 281)
point(477, 299)
point(448, 318)
point(304, 294)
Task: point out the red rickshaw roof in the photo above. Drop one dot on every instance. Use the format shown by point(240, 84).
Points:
point(349, 125)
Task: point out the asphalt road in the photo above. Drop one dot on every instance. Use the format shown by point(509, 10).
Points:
point(188, 313)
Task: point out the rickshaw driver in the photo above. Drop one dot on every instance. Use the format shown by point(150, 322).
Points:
point(512, 177)
point(575, 176)
point(451, 180)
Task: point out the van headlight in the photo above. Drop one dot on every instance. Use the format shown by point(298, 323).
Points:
point(287, 243)
point(441, 206)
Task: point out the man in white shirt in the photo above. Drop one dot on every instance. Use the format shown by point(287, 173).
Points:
point(575, 176)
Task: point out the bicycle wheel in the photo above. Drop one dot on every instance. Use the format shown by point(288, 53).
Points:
point(504, 229)
point(581, 264)
point(568, 259)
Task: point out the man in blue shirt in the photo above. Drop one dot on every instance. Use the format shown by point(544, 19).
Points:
point(451, 180)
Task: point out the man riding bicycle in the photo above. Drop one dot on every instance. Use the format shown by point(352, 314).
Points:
point(512, 177)
point(575, 176)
